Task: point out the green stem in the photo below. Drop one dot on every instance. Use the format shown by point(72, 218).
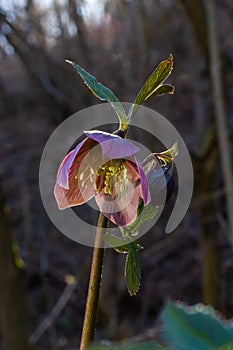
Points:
point(94, 287)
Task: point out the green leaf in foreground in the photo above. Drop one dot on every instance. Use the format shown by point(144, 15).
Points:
point(153, 85)
point(132, 271)
point(228, 346)
point(197, 327)
point(141, 346)
point(100, 91)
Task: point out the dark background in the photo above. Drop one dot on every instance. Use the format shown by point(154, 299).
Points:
point(120, 43)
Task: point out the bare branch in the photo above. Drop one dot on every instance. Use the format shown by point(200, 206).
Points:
point(56, 310)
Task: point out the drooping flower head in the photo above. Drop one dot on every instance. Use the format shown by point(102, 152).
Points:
point(103, 166)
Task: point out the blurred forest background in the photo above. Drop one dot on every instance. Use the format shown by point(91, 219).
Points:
point(43, 274)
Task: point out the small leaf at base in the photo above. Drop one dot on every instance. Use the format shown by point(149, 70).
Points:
point(132, 271)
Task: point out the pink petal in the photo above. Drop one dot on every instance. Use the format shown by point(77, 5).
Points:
point(64, 169)
point(127, 215)
point(121, 207)
point(78, 192)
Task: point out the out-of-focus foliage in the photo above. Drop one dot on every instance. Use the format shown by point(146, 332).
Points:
point(132, 347)
point(185, 328)
point(196, 327)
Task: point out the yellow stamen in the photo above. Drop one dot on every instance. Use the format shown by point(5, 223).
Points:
point(111, 172)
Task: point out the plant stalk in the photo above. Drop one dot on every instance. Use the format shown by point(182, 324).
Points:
point(89, 323)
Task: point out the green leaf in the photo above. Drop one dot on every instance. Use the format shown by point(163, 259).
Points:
point(125, 249)
point(228, 346)
point(153, 84)
point(101, 91)
point(141, 346)
point(121, 245)
point(163, 89)
point(197, 327)
point(132, 271)
point(145, 213)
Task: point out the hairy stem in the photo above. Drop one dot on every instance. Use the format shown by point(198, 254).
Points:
point(94, 287)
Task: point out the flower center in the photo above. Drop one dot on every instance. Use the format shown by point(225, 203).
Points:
point(110, 175)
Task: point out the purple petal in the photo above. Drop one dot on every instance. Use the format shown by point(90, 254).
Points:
point(144, 183)
point(64, 169)
point(113, 146)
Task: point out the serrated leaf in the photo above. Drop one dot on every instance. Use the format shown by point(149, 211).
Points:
point(117, 242)
point(196, 327)
point(146, 213)
point(121, 245)
point(153, 83)
point(101, 91)
point(141, 346)
point(126, 248)
point(132, 271)
point(122, 249)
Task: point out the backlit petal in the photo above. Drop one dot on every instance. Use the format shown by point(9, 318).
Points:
point(124, 216)
point(121, 206)
point(113, 146)
point(79, 190)
point(64, 169)
point(76, 194)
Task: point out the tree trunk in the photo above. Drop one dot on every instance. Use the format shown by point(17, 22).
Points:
point(12, 304)
point(206, 172)
point(211, 266)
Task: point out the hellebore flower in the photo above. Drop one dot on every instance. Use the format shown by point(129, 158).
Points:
point(103, 166)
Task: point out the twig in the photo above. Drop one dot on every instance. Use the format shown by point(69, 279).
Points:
point(56, 310)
